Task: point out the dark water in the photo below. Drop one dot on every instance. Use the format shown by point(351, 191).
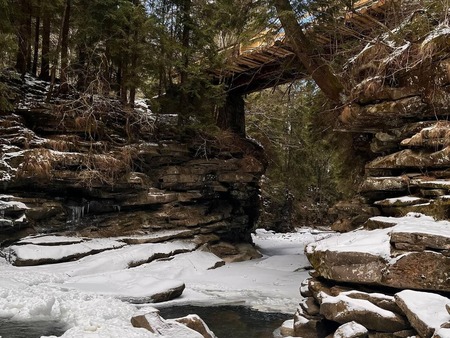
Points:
point(30, 329)
point(232, 321)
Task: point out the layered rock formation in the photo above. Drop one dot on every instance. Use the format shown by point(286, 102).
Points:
point(363, 280)
point(391, 277)
point(84, 166)
point(400, 102)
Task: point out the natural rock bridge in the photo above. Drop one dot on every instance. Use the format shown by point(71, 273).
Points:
point(269, 59)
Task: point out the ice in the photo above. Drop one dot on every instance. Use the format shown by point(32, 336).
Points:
point(87, 294)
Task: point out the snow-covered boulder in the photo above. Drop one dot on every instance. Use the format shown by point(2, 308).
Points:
point(351, 330)
point(411, 254)
point(426, 312)
point(195, 323)
point(154, 323)
point(343, 309)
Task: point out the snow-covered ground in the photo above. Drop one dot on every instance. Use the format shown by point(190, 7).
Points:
point(90, 294)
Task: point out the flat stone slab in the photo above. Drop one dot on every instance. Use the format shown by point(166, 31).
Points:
point(401, 201)
point(425, 311)
point(343, 309)
point(41, 253)
point(372, 257)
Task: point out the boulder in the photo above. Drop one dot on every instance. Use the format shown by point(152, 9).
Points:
point(351, 330)
point(366, 256)
point(310, 306)
point(425, 311)
point(154, 323)
point(343, 309)
point(308, 326)
point(195, 323)
point(287, 328)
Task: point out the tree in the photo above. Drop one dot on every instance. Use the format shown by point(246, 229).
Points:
point(306, 52)
point(23, 13)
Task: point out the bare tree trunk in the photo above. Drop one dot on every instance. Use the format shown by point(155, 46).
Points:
point(58, 50)
point(36, 41)
point(45, 57)
point(185, 42)
point(232, 115)
point(29, 35)
point(304, 49)
point(65, 48)
point(23, 36)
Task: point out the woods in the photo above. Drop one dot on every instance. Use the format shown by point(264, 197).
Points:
point(173, 52)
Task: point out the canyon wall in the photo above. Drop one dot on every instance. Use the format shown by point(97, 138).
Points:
point(83, 165)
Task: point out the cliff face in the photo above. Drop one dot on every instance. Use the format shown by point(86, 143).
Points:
point(84, 165)
point(400, 103)
point(362, 280)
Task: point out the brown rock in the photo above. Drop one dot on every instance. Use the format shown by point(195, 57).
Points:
point(169, 294)
point(425, 311)
point(310, 306)
point(419, 270)
point(195, 323)
point(351, 330)
point(422, 239)
point(343, 309)
point(308, 327)
point(154, 323)
point(381, 115)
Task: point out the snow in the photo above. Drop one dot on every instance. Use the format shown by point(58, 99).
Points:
point(403, 200)
point(49, 239)
point(87, 295)
point(350, 329)
point(442, 29)
point(33, 252)
point(377, 242)
point(374, 242)
point(427, 307)
point(356, 305)
point(417, 223)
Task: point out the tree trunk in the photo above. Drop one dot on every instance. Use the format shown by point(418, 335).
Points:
point(29, 35)
point(23, 36)
point(36, 45)
point(80, 67)
point(305, 51)
point(185, 42)
point(45, 57)
point(65, 48)
point(232, 115)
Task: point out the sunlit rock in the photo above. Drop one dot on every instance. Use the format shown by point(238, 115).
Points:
point(154, 323)
point(351, 330)
point(195, 323)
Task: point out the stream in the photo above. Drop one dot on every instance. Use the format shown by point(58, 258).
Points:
point(30, 329)
point(232, 321)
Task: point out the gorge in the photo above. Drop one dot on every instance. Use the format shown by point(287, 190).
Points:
point(109, 211)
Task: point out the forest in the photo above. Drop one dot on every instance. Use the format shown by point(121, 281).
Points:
point(175, 54)
point(169, 53)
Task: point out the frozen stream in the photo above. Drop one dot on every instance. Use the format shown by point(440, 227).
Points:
point(84, 294)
